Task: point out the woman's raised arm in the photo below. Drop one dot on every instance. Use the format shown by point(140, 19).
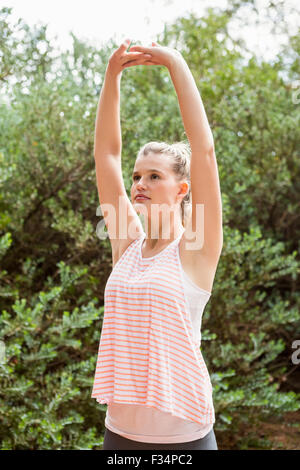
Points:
point(107, 152)
point(107, 139)
point(205, 184)
point(191, 107)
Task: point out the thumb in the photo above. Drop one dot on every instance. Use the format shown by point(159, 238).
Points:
point(154, 43)
point(125, 43)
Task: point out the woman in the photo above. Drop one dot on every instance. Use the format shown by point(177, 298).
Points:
point(150, 370)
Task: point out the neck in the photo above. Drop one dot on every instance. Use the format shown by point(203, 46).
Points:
point(160, 234)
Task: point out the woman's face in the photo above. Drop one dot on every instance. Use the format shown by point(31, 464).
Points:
point(153, 177)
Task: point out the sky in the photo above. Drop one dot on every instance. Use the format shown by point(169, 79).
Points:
point(97, 21)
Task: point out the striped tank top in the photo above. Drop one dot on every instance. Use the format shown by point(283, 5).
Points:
point(149, 353)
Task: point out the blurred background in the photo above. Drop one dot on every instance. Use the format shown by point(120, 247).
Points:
point(244, 56)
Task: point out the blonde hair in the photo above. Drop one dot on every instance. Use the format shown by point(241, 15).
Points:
point(181, 158)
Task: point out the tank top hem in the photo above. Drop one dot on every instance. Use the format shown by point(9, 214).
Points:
point(164, 439)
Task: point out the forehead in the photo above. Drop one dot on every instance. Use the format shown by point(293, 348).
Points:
point(152, 162)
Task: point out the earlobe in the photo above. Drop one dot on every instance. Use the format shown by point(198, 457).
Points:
point(185, 186)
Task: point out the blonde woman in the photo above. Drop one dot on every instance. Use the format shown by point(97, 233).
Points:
point(150, 370)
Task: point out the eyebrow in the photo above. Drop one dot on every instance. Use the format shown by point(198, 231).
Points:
point(153, 169)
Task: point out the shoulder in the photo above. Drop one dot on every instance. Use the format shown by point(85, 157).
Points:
point(193, 245)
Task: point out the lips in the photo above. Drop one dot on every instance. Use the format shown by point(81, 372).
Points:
point(141, 197)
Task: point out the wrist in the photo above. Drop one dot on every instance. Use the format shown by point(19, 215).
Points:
point(175, 61)
point(112, 72)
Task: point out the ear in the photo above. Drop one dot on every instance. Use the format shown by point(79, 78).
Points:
point(184, 188)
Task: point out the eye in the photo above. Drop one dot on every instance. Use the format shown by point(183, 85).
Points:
point(136, 176)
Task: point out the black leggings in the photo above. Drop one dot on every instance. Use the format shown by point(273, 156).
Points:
point(113, 441)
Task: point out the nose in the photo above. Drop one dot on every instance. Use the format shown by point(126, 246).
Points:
point(140, 184)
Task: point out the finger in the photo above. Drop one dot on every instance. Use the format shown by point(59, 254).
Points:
point(141, 61)
point(135, 56)
point(138, 60)
point(140, 49)
point(126, 42)
point(124, 45)
point(131, 64)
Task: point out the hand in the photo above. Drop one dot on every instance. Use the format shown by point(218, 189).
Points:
point(120, 59)
point(160, 55)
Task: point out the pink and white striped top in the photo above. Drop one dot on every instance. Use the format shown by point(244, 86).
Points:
point(149, 353)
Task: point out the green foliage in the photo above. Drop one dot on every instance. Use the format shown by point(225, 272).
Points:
point(54, 268)
point(47, 371)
